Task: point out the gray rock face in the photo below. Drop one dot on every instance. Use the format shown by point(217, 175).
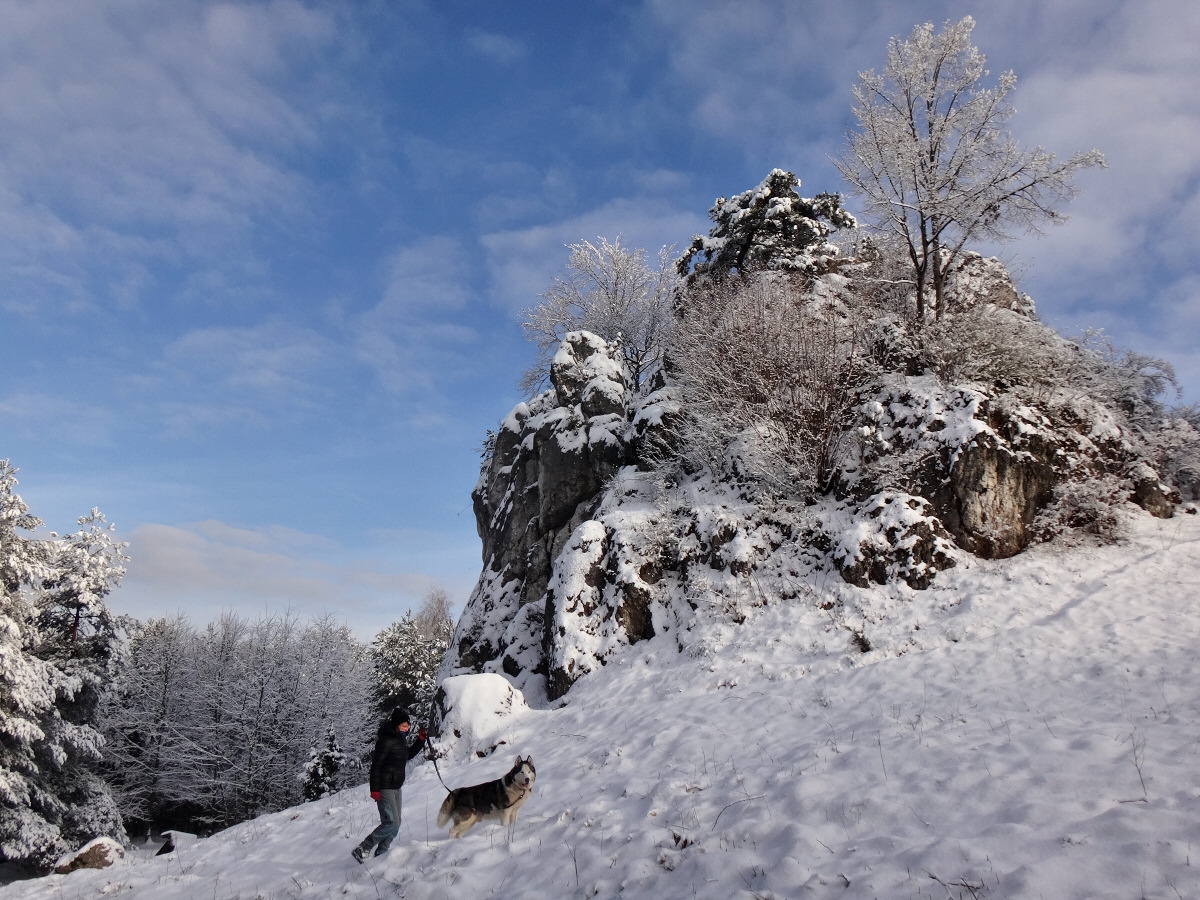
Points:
point(549, 462)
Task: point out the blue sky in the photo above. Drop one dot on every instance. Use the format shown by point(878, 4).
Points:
point(262, 264)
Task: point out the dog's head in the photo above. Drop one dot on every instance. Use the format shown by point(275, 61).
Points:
point(523, 773)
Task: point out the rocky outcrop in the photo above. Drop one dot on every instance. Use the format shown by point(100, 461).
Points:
point(544, 571)
point(988, 465)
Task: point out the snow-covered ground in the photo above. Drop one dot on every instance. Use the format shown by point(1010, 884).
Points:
point(1024, 728)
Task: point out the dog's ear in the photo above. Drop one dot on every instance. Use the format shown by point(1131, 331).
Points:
point(518, 762)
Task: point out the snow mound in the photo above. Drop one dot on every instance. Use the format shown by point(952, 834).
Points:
point(473, 708)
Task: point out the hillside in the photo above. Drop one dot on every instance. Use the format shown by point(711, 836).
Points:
point(1026, 727)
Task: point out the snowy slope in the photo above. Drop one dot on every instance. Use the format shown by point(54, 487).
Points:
point(1025, 728)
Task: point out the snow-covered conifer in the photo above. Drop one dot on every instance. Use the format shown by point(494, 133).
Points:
point(58, 649)
point(407, 655)
point(769, 227)
point(320, 776)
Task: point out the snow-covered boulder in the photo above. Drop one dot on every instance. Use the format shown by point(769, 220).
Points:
point(99, 853)
point(892, 537)
point(471, 707)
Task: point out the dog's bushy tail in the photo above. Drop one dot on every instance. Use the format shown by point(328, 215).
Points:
point(446, 810)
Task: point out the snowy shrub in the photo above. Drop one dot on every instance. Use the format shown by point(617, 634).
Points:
point(768, 369)
point(1088, 507)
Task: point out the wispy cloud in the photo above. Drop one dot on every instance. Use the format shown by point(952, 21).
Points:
point(523, 263)
point(204, 567)
point(416, 338)
point(139, 136)
point(496, 47)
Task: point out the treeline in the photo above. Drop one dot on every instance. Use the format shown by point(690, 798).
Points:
point(110, 726)
point(207, 727)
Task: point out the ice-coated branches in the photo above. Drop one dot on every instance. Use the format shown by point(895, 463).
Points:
point(934, 162)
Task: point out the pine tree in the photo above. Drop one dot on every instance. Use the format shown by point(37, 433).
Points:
point(320, 776)
point(59, 646)
point(769, 227)
point(407, 655)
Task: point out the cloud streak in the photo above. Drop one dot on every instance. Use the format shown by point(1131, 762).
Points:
point(204, 567)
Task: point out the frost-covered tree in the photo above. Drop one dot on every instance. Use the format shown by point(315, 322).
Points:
point(58, 648)
point(407, 655)
point(142, 716)
point(934, 162)
point(611, 291)
point(210, 727)
point(769, 227)
point(320, 776)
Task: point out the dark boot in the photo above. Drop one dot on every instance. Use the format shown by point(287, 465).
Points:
point(359, 853)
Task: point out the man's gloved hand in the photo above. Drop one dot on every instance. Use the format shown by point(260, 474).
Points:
point(375, 796)
point(421, 735)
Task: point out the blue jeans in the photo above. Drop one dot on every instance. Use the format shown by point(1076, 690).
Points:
point(389, 823)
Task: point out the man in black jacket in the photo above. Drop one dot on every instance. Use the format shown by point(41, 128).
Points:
point(388, 760)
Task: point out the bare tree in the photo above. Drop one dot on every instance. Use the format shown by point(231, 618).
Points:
point(610, 291)
point(935, 163)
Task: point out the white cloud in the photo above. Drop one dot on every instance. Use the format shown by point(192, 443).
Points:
point(205, 567)
point(496, 47)
point(135, 135)
point(222, 375)
point(417, 337)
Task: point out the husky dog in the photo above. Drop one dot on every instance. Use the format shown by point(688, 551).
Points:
point(499, 799)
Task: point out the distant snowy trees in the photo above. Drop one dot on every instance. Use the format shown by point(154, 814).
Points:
point(933, 160)
point(406, 656)
point(614, 292)
point(208, 727)
point(59, 648)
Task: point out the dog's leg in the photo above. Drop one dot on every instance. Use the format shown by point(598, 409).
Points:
point(461, 828)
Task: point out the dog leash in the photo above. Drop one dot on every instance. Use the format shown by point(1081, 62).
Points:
point(433, 756)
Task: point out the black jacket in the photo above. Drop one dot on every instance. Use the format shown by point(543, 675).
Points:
point(389, 758)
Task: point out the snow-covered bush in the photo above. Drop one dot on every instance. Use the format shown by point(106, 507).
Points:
point(1089, 506)
point(769, 368)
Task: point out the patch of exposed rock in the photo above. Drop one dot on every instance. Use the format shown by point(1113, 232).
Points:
point(544, 577)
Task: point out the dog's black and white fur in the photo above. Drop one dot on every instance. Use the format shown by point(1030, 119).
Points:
point(499, 799)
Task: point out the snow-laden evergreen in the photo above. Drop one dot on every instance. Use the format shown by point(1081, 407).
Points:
point(406, 655)
point(321, 777)
point(59, 648)
point(1023, 728)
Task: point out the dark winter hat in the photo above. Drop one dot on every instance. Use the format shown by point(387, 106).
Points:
point(399, 716)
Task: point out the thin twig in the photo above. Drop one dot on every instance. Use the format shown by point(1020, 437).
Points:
point(734, 803)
